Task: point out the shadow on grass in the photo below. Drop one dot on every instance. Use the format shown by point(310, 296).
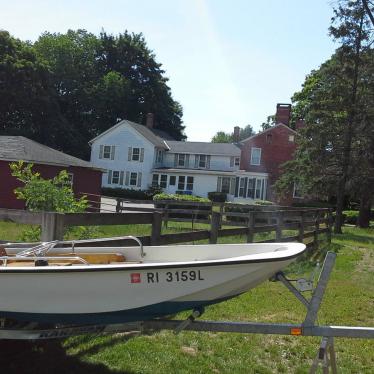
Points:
point(347, 236)
point(18, 357)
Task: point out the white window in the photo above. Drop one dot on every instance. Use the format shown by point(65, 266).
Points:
point(256, 188)
point(159, 156)
point(251, 187)
point(135, 154)
point(297, 191)
point(291, 138)
point(181, 159)
point(237, 161)
point(107, 152)
point(189, 186)
point(154, 180)
point(172, 180)
point(71, 179)
point(255, 156)
point(181, 182)
point(133, 179)
point(225, 184)
point(115, 177)
point(163, 181)
point(241, 187)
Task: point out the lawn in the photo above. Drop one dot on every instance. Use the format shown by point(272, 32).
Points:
point(349, 300)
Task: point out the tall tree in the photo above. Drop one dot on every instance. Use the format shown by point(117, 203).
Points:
point(226, 137)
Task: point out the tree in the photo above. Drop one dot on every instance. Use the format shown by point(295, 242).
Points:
point(270, 122)
point(225, 137)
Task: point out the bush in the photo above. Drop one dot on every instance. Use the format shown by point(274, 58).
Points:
point(130, 193)
point(217, 197)
point(165, 196)
point(313, 204)
point(350, 216)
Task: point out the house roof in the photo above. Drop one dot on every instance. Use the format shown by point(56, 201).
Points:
point(14, 148)
point(268, 130)
point(225, 149)
point(155, 136)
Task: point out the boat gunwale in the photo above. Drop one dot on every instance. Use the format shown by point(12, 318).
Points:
point(148, 266)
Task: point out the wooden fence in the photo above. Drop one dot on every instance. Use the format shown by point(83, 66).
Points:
point(308, 223)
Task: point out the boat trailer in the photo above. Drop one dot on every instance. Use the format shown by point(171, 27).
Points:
point(325, 357)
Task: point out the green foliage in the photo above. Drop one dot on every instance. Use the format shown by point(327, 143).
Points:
point(177, 197)
point(53, 195)
point(350, 216)
point(217, 197)
point(263, 202)
point(225, 137)
point(65, 89)
point(130, 193)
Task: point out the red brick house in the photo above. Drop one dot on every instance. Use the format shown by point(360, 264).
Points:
point(265, 152)
point(49, 162)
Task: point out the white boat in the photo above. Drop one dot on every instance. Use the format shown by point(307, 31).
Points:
point(100, 285)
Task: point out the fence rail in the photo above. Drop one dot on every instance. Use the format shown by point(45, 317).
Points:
point(306, 222)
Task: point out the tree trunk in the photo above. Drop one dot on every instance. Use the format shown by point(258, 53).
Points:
point(365, 208)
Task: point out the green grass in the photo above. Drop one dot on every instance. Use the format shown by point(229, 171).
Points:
point(349, 300)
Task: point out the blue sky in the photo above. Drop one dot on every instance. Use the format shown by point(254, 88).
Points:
point(229, 62)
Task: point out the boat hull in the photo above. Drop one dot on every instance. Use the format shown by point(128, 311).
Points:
point(125, 293)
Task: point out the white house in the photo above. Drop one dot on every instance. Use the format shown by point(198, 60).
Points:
point(137, 157)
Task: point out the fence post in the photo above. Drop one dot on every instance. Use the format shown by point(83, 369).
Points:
point(156, 228)
point(316, 228)
point(119, 205)
point(214, 227)
point(301, 227)
point(166, 217)
point(251, 225)
point(52, 226)
point(278, 230)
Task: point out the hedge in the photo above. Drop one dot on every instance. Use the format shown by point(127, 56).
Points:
point(165, 196)
point(130, 193)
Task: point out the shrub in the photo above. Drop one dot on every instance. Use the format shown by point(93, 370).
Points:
point(130, 193)
point(350, 216)
point(217, 197)
point(165, 196)
point(263, 202)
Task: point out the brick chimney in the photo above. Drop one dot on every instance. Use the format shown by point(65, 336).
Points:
point(236, 134)
point(299, 124)
point(283, 114)
point(150, 120)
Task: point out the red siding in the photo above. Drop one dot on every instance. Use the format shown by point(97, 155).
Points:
point(276, 149)
point(85, 180)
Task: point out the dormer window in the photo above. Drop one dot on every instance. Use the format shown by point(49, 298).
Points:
point(237, 161)
point(181, 159)
point(256, 156)
point(202, 162)
point(159, 156)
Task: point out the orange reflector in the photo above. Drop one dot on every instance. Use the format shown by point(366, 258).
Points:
point(296, 331)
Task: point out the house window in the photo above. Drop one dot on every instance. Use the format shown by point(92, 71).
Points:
point(255, 156)
point(202, 161)
point(181, 182)
point(154, 180)
point(107, 151)
point(225, 184)
point(181, 159)
point(70, 179)
point(163, 181)
point(160, 156)
point(269, 138)
point(189, 186)
point(115, 177)
point(133, 179)
point(291, 138)
point(258, 188)
point(251, 188)
point(237, 161)
point(135, 154)
point(172, 180)
point(241, 187)
point(297, 191)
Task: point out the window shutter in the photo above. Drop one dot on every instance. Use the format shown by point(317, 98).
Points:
point(208, 162)
point(196, 161)
point(187, 162)
point(101, 151)
point(139, 179)
point(109, 176)
point(113, 151)
point(232, 186)
point(130, 153)
point(127, 178)
point(176, 160)
point(141, 154)
point(121, 178)
point(232, 159)
point(219, 184)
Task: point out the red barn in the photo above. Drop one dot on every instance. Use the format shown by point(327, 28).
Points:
point(47, 161)
point(267, 151)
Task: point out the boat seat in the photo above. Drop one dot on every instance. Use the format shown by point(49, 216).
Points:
point(99, 258)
